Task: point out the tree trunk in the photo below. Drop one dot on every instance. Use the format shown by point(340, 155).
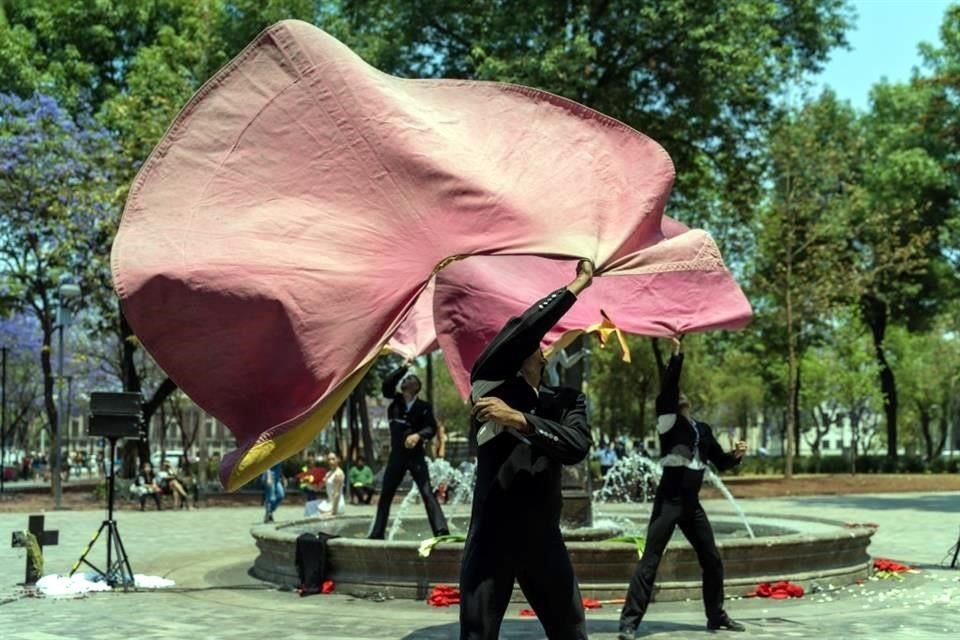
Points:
point(50, 408)
point(354, 425)
point(430, 378)
point(163, 432)
point(367, 437)
point(925, 420)
point(643, 392)
point(338, 430)
point(202, 457)
point(875, 316)
point(792, 376)
point(854, 440)
point(132, 383)
point(944, 428)
point(797, 426)
point(658, 357)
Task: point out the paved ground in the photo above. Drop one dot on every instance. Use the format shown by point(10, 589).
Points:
point(208, 554)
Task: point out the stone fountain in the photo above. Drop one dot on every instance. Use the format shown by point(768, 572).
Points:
point(770, 547)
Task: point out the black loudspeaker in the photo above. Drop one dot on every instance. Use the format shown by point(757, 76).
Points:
point(115, 415)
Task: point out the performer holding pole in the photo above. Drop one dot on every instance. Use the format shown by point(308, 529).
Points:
point(412, 423)
point(525, 433)
point(685, 446)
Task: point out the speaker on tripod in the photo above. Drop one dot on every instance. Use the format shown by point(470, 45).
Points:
point(113, 416)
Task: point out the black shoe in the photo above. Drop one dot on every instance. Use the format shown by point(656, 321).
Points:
point(626, 634)
point(442, 532)
point(724, 622)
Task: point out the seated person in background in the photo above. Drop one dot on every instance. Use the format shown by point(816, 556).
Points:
point(189, 480)
point(146, 485)
point(171, 485)
point(335, 482)
point(311, 483)
point(361, 482)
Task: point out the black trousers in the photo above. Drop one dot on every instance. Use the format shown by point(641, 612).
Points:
point(538, 560)
point(362, 495)
point(397, 466)
point(668, 513)
point(152, 494)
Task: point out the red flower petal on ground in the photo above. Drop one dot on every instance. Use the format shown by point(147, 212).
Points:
point(327, 586)
point(590, 603)
point(443, 596)
point(778, 590)
point(883, 564)
point(528, 613)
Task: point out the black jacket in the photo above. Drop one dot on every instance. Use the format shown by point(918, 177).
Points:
point(403, 422)
point(679, 439)
point(519, 475)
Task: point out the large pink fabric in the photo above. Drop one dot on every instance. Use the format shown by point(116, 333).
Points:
point(298, 206)
point(659, 300)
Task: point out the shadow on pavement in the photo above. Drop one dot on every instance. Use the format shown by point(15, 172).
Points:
point(531, 630)
point(948, 503)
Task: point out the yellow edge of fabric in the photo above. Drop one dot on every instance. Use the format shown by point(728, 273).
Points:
point(603, 330)
point(264, 455)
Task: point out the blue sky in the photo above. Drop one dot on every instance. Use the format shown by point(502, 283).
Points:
point(883, 43)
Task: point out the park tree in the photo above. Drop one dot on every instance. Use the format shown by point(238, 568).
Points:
point(803, 230)
point(898, 254)
point(20, 340)
point(699, 77)
point(54, 197)
point(621, 393)
point(840, 386)
point(909, 259)
point(133, 65)
point(929, 367)
point(730, 385)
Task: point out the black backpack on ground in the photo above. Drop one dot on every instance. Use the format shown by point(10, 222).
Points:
point(311, 560)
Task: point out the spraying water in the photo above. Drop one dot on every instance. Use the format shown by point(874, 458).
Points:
point(441, 473)
point(715, 480)
point(634, 479)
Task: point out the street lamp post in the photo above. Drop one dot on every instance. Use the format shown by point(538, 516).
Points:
point(67, 290)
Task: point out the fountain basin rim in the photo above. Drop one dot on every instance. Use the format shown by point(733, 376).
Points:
point(840, 530)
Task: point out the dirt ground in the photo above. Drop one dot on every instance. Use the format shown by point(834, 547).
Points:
point(80, 496)
point(835, 484)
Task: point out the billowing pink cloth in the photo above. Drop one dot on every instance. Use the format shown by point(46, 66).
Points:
point(294, 212)
point(417, 335)
point(652, 301)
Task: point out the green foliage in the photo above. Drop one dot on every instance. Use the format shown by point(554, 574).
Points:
point(699, 77)
point(621, 394)
point(929, 368)
point(820, 206)
point(449, 407)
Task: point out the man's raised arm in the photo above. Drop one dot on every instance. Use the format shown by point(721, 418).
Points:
point(390, 382)
point(668, 401)
point(522, 335)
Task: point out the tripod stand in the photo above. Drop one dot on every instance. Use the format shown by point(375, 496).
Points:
point(956, 554)
point(118, 568)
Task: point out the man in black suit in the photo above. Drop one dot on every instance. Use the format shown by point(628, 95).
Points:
point(525, 432)
point(685, 446)
point(411, 424)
